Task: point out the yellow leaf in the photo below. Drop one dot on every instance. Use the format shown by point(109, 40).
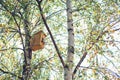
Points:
point(118, 11)
point(88, 46)
point(95, 32)
point(112, 31)
point(2, 25)
point(100, 45)
point(96, 51)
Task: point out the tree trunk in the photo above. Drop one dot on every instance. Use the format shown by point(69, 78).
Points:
point(27, 55)
point(69, 65)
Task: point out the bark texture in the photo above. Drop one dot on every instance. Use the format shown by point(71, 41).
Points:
point(26, 75)
point(69, 65)
point(27, 56)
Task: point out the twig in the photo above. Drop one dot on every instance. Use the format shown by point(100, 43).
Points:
point(79, 63)
point(85, 53)
point(110, 61)
point(10, 48)
point(40, 63)
point(19, 30)
point(97, 39)
point(13, 74)
point(63, 1)
point(99, 68)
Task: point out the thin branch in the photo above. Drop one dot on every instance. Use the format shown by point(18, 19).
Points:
point(48, 17)
point(85, 53)
point(112, 72)
point(19, 30)
point(79, 63)
point(110, 61)
point(81, 60)
point(108, 70)
point(7, 72)
point(19, 33)
point(47, 27)
point(116, 29)
point(54, 13)
point(40, 63)
point(110, 41)
point(97, 39)
point(10, 48)
point(39, 1)
point(63, 1)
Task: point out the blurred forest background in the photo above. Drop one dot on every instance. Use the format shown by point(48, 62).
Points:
point(88, 30)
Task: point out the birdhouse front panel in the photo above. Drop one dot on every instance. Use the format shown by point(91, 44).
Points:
point(37, 41)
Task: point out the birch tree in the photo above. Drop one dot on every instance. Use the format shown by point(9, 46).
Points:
point(82, 40)
point(70, 54)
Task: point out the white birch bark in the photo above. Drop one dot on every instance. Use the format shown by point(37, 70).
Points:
point(69, 65)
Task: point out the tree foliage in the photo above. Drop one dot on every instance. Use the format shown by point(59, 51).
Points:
point(96, 32)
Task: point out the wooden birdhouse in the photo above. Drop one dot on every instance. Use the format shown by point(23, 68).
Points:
point(37, 41)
